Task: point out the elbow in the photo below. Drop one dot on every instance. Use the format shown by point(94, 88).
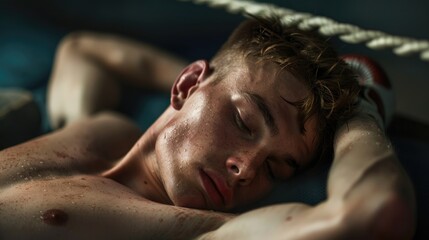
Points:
point(395, 219)
point(71, 42)
point(70, 47)
point(392, 216)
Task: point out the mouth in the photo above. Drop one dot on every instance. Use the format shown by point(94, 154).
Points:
point(216, 189)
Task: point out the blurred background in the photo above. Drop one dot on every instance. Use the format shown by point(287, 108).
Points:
point(30, 31)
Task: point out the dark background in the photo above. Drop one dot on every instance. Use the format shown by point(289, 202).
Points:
point(30, 31)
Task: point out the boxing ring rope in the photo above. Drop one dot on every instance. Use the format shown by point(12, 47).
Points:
point(402, 46)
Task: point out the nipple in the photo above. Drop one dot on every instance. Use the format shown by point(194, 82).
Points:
point(54, 217)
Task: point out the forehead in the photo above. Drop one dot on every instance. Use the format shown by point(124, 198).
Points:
point(268, 77)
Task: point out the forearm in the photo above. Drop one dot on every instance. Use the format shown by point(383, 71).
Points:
point(90, 69)
point(136, 63)
point(363, 153)
point(368, 184)
point(359, 145)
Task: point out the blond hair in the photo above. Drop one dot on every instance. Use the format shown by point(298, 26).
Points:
point(306, 55)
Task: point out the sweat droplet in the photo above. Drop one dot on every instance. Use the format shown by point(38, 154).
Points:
point(55, 217)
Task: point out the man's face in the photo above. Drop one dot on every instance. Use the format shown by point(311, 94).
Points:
point(230, 142)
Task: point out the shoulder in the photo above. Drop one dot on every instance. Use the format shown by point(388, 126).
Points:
point(92, 136)
point(104, 119)
point(88, 145)
point(100, 132)
point(108, 134)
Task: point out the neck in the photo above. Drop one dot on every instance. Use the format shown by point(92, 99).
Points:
point(138, 169)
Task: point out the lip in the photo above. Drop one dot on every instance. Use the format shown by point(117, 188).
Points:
point(216, 188)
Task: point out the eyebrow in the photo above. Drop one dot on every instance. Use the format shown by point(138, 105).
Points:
point(301, 123)
point(264, 110)
point(269, 121)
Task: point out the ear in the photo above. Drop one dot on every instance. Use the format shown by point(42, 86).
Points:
point(187, 82)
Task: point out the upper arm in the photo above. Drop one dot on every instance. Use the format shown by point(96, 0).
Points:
point(368, 184)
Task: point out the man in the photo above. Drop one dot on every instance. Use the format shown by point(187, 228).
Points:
point(265, 108)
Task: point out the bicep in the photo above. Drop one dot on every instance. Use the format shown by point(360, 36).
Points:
point(363, 155)
point(366, 178)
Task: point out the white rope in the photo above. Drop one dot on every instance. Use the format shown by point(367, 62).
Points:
point(402, 46)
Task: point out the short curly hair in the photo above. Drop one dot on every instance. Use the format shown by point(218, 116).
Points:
point(309, 57)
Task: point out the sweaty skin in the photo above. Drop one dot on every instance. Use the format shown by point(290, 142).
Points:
point(54, 217)
point(219, 134)
point(84, 182)
point(50, 188)
point(369, 197)
point(103, 174)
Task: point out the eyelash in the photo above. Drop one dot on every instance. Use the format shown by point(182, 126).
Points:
point(241, 125)
point(270, 171)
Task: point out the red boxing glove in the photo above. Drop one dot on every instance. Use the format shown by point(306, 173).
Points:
point(376, 97)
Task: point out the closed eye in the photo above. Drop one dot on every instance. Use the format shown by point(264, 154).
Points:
point(292, 163)
point(241, 125)
point(270, 170)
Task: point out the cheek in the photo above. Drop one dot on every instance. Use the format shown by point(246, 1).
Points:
point(175, 165)
point(185, 144)
point(202, 135)
point(171, 149)
point(181, 150)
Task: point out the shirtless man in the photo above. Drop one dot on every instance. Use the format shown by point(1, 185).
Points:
point(266, 107)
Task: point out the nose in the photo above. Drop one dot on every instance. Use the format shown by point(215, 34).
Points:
point(243, 168)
